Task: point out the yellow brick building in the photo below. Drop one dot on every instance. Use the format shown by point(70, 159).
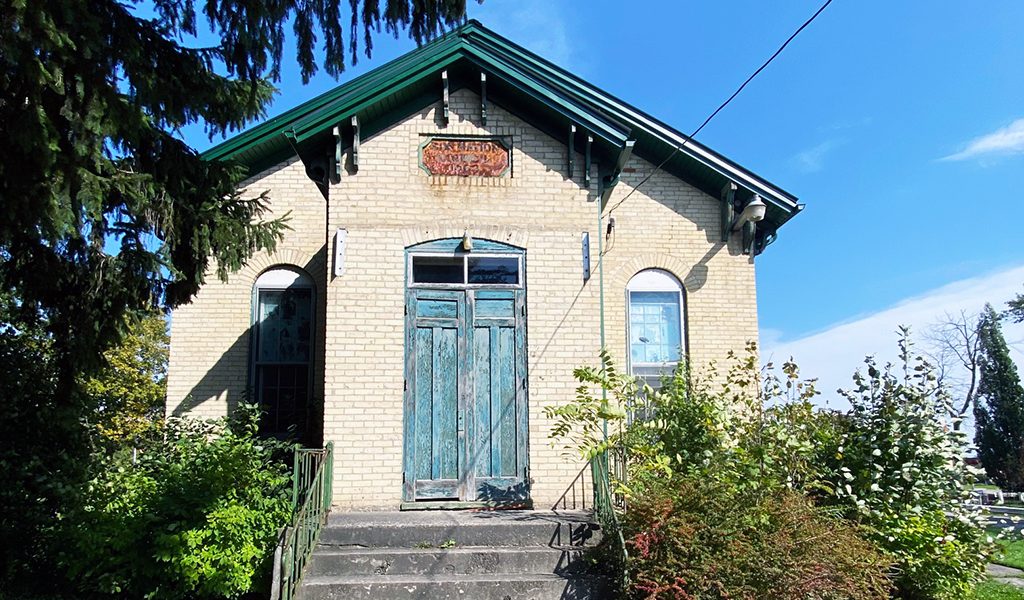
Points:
point(467, 225)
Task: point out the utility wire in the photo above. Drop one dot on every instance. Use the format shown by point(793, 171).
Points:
point(723, 105)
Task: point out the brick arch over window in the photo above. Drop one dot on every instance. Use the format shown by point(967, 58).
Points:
point(414, 236)
point(683, 272)
point(283, 346)
point(311, 264)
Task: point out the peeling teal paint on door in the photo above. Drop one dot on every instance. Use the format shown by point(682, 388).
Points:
point(433, 404)
point(466, 432)
point(498, 381)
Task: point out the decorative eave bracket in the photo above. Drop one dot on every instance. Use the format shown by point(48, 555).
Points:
point(728, 198)
point(355, 144)
point(609, 181)
point(336, 170)
point(483, 99)
point(587, 162)
point(571, 150)
point(338, 160)
point(444, 83)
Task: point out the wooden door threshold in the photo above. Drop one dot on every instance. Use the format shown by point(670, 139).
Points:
point(471, 505)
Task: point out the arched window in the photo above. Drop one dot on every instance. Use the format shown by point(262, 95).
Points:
point(283, 349)
point(656, 328)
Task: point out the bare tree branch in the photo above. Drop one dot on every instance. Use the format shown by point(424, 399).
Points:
point(954, 347)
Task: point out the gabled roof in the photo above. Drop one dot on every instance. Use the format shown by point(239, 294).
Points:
point(538, 91)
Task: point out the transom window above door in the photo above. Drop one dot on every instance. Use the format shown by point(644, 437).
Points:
point(465, 270)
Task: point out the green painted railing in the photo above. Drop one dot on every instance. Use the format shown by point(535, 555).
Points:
point(311, 501)
point(606, 466)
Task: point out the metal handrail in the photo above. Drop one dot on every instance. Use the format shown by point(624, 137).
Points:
point(312, 473)
point(610, 463)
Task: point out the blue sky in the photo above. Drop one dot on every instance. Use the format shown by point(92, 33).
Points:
point(900, 124)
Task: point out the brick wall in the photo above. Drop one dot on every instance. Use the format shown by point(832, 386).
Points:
point(391, 204)
point(209, 369)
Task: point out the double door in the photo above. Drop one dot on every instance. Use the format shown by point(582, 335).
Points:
point(466, 396)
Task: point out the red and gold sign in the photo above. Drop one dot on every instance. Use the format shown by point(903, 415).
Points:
point(465, 158)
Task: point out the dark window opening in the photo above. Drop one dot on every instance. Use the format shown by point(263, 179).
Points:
point(437, 269)
point(283, 349)
point(493, 269)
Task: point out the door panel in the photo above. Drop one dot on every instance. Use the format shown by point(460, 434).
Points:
point(498, 438)
point(466, 422)
point(433, 443)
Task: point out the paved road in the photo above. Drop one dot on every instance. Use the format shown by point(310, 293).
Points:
point(1006, 575)
point(1009, 524)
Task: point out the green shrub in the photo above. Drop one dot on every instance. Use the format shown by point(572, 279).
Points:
point(898, 468)
point(196, 515)
point(739, 429)
point(892, 467)
point(696, 539)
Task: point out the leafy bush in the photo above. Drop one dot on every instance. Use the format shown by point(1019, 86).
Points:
point(695, 538)
point(899, 469)
point(892, 468)
point(195, 516)
point(729, 428)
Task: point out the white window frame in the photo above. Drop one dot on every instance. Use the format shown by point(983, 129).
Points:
point(465, 256)
point(655, 280)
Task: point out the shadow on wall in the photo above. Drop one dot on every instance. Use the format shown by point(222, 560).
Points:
point(230, 376)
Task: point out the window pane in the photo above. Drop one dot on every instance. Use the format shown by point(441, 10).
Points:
point(285, 325)
point(494, 269)
point(283, 393)
point(655, 327)
point(437, 269)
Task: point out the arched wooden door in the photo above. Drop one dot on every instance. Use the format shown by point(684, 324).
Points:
point(466, 423)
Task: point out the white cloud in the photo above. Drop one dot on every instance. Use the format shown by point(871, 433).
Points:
point(812, 159)
point(537, 25)
point(1007, 140)
point(834, 354)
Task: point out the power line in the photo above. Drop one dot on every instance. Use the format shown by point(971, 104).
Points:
point(724, 104)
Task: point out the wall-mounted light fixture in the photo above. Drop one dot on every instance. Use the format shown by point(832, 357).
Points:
point(747, 221)
point(467, 242)
point(753, 212)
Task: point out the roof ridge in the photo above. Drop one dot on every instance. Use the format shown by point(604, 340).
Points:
point(523, 78)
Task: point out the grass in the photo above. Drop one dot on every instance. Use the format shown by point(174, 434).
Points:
point(1010, 553)
point(992, 590)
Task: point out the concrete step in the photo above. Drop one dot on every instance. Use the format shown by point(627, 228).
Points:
point(513, 528)
point(444, 587)
point(349, 561)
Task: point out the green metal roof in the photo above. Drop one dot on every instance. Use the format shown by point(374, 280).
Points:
point(518, 80)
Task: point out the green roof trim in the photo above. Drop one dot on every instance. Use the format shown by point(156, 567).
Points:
point(518, 80)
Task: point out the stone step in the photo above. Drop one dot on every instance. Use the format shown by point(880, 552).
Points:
point(349, 561)
point(445, 587)
point(433, 529)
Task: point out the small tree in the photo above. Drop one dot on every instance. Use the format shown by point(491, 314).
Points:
point(1016, 308)
point(955, 349)
point(127, 395)
point(999, 415)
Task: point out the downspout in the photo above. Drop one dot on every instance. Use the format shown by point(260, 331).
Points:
point(605, 186)
point(600, 285)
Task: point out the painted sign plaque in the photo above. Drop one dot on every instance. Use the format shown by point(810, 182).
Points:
point(465, 157)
